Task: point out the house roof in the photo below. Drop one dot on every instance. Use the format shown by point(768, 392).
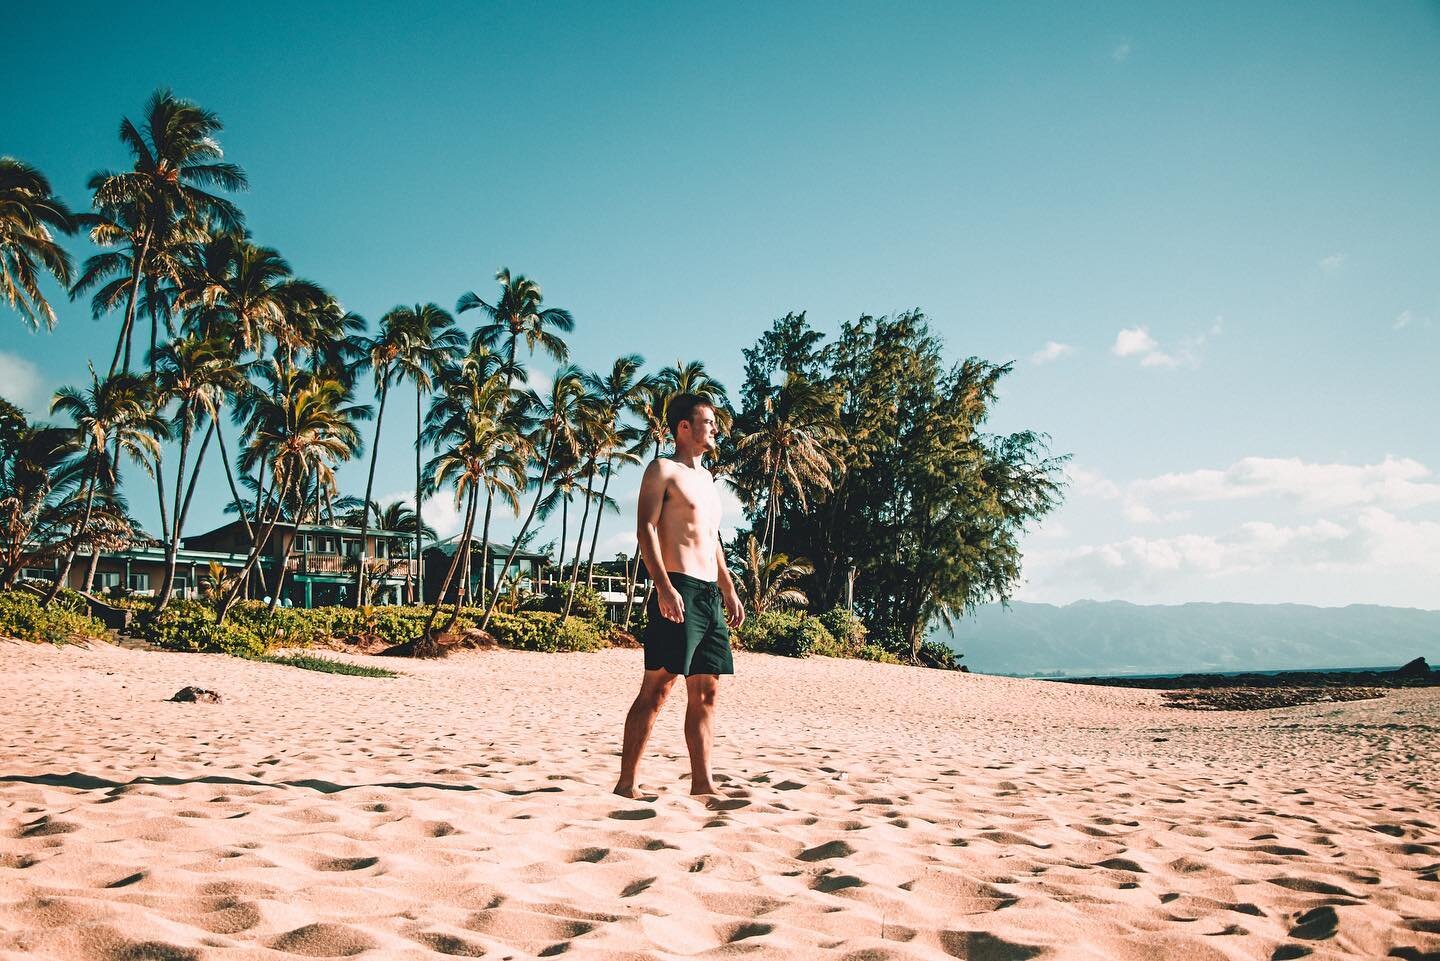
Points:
point(450, 544)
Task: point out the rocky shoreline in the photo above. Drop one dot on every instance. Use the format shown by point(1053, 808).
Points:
point(1258, 692)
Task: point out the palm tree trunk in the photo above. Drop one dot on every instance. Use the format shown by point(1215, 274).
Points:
point(124, 341)
point(90, 568)
point(599, 516)
point(579, 545)
point(64, 573)
point(230, 476)
point(419, 555)
point(515, 547)
point(172, 544)
point(460, 594)
point(485, 545)
point(370, 492)
point(228, 601)
point(564, 536)
point(468, 529)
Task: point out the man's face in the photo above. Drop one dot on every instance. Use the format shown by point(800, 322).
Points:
point(704, 429)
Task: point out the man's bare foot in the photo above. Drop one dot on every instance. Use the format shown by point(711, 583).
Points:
point(705, 787)
point(627, 790)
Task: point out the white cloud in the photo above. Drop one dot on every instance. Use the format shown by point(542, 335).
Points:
point(1394, 483)
point(1332, 263)
point(20, 384)
point(1120, 52)
point(1133, 340)
point(1091, 483)
point(1138, 342)
point(1052, 350)
point(439, 511)
point(1403, 320)
point(1249, 554)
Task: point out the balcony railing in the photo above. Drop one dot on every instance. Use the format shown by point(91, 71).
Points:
point(335, 564)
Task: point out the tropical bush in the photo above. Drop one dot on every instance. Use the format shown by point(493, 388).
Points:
point(847, 630)
point(935, 654)
point(588, 605)
point(787, 633)
point(21, 616)
point(190, 626)
point(542, 631)
point(284, 626)
point(874, 652)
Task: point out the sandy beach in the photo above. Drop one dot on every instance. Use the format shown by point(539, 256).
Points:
point(872, 812)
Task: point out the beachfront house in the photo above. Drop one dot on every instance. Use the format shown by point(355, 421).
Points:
point(311, 566)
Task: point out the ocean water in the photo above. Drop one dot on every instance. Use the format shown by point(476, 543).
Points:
point(1172, 674)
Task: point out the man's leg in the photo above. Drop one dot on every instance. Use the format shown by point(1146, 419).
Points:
point(699, 712)
point(654, 688)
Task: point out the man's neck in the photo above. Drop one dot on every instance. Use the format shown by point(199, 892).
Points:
point(689, 456)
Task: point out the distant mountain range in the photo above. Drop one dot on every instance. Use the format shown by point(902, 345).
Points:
point(1115, 637)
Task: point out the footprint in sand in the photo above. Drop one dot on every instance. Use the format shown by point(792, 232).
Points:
point(640, 814)
point(637, 887)
point(979, 944)
point(345, 864)
point(826, 851)
point(589, 855)
point(324, 940)
point(448, 944)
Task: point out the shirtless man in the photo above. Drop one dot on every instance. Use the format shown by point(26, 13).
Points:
point(686, 631)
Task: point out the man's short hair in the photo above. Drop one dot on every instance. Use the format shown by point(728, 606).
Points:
point(682, 407)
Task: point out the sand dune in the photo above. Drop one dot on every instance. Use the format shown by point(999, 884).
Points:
point(871, 812)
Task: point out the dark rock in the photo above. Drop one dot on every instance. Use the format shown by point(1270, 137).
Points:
point(197, 694)
point(1416, 668)
point(1264, 698)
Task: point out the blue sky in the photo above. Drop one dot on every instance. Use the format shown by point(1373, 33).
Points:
point(1224, 217)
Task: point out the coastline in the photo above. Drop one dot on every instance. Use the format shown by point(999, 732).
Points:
point(869, 808)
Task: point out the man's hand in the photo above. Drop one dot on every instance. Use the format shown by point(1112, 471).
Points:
point(734, 610)
point(672, 605)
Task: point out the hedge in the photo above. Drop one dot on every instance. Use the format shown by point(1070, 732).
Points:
point(22, 616)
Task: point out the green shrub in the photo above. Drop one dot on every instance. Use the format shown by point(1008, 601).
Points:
point(542, 631)
point(21, 616)
point(874, 652)
point(787, 633)
point(190, 626)
point(935, 654)
point(284, 626)
point(847, 629)
point(588, 605)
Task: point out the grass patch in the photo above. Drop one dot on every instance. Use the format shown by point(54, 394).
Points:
point(310, 662)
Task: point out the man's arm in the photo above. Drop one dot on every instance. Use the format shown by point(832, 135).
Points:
point(647, 537)
point(734, 610)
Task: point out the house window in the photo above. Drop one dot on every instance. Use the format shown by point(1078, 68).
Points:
point(107, 579)
point(382, 549)
point(38, 573)
point(138, 582)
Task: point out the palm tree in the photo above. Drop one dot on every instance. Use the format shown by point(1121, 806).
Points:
point(197, 374)
point(476, 386)
point(380, 355)
point(477, 450)
point(175, 154)
point(518, 315)
point(119, 410)
point(37, 462)
point(555, 417)
point(693, 378)
point(790, 445)
point(301, 432)
point(29, 212)
point(616, 391)
point(428, 342)
point(768, 580)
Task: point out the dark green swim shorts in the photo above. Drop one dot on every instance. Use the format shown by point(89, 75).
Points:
point(701, 645)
